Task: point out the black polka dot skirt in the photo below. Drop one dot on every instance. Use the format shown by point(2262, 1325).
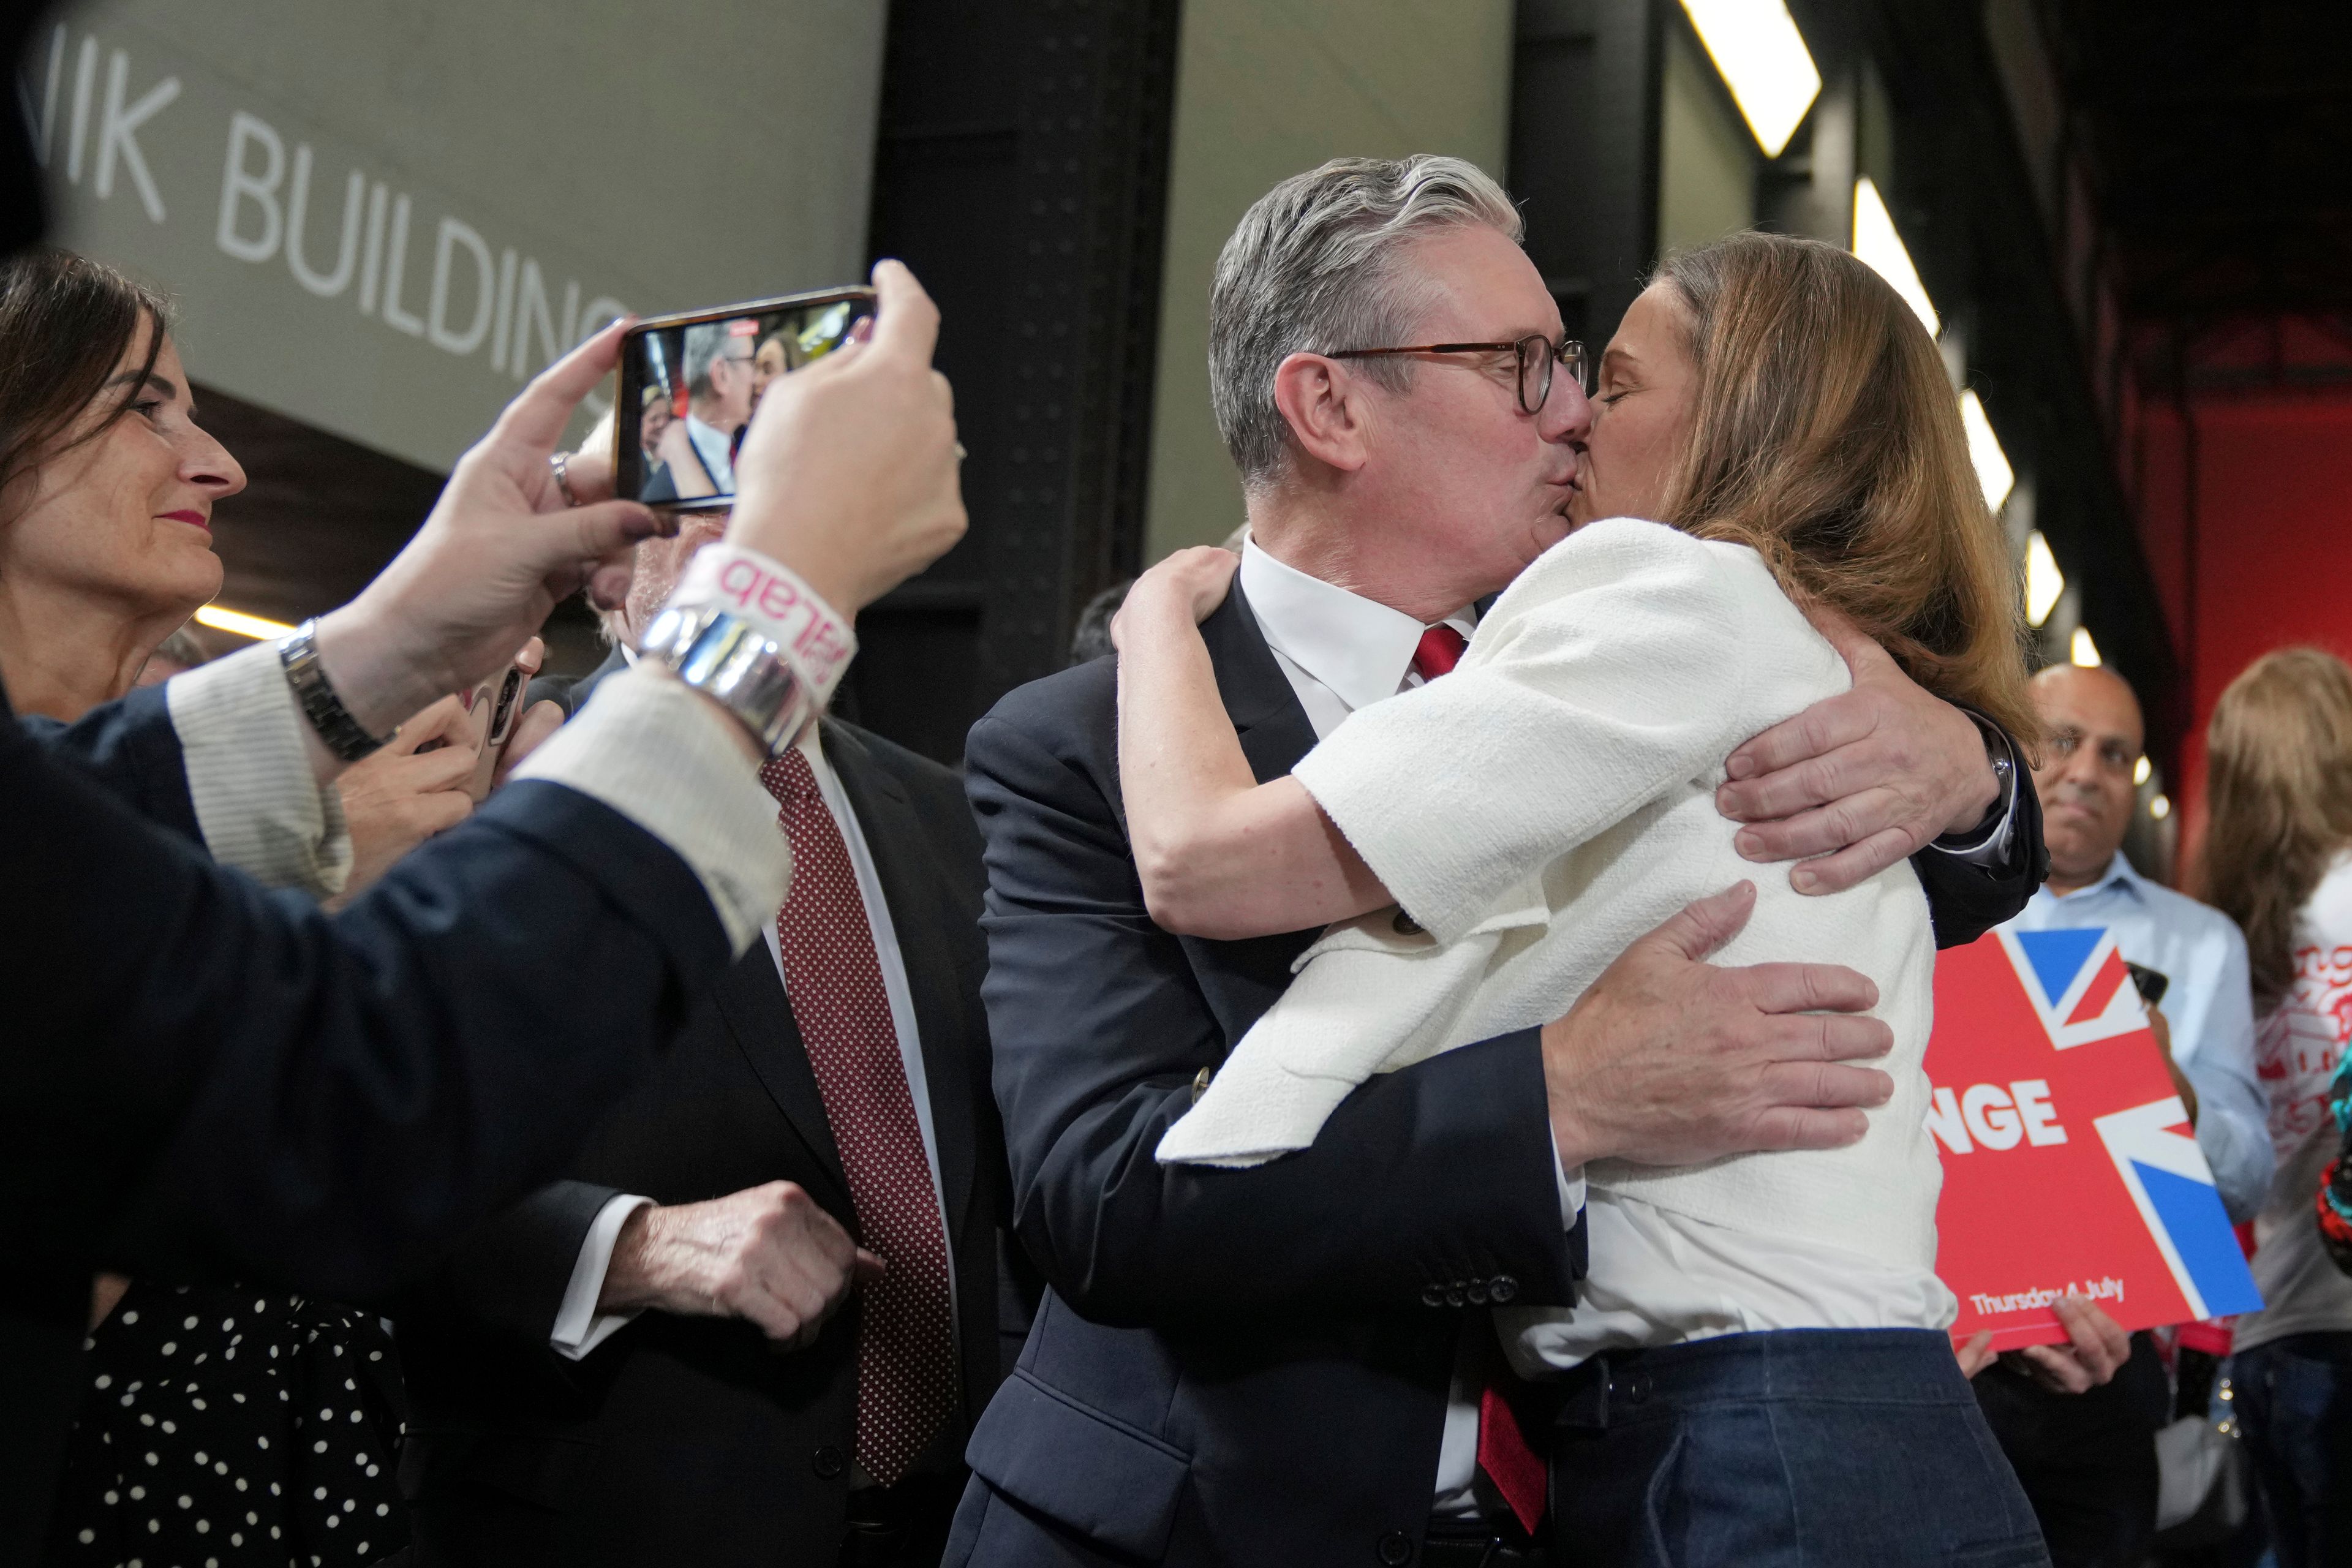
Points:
point(221, 1427)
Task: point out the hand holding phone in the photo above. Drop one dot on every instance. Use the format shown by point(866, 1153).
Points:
point(691, 384)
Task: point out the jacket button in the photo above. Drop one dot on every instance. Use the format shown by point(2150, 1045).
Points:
point(1501, 1288)
point(1433, 1295)
point(1404, 925)
point(1394, 1548)
point(1477, 1292)
point(826, 1462)
point(1456, 1296)
point(1637, 1388)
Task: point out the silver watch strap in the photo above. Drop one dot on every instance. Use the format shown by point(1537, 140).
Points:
point(344, 735)
point(734, 663)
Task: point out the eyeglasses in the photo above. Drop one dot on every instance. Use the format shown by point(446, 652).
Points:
point(1538, 357)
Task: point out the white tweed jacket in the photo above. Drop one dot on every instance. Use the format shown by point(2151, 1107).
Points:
point(1538, 810)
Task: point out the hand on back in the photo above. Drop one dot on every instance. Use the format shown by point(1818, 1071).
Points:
point(1859, 781)
point(1186, 587)
point(1669, 1060)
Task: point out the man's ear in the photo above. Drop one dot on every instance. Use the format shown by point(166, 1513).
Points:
point(1326, 406)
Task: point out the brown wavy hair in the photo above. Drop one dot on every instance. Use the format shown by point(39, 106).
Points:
point(1826, 438)
point(2278, 791)
point(65, 321)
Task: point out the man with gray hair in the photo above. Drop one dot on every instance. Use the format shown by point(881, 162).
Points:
point(716, 362)
point(1294, 1363)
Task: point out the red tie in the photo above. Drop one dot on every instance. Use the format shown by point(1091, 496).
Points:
point(1504, 1452)
point(906, 1348)
point(1439, 651)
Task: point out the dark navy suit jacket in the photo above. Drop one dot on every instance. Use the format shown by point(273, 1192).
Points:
point(326, 1100)
point(693, 1440)
point(1235, 1367)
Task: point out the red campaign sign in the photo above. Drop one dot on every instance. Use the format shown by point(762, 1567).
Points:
point(2069, 1164)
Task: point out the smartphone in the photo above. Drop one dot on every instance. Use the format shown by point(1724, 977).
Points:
point(2152, 982)
point(690, 382)
point(493, 707)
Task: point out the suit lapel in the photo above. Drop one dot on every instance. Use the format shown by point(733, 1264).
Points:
point(1274, 730)
point(921, 900)
point(751, 999)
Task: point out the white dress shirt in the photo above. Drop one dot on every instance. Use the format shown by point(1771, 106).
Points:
point(579, 1328)
point(2208, 1004)
point(1340, 652)
point(715, 448)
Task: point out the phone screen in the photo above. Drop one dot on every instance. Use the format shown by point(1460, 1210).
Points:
point(691, 384)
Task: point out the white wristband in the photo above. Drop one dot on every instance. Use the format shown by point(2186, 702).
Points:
point(810, 634)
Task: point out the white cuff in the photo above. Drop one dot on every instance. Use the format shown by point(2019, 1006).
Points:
point(662, 757)
point(1571, 1187)
point(258, 803)
point(579, 1326)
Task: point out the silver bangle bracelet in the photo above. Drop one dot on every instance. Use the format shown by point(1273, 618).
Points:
point(736, 665)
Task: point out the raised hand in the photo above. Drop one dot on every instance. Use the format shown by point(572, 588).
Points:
point(849, 472)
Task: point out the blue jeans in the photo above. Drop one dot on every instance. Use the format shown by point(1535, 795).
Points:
point(1772, 1450)
point(2294, 1402)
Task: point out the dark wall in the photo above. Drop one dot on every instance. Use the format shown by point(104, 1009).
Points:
point(1022, 173)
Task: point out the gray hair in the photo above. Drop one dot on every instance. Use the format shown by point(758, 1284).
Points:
point(1314, 265)
point(705, 342)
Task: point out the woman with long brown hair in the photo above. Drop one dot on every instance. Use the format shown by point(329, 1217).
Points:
point(2277, 859)
point(1491, 841)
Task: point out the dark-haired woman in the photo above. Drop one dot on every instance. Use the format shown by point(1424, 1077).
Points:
point(2277, 859)
point(218, 1424)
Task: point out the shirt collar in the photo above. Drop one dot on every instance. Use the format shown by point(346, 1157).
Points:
point(2118, 872)
point(1358, 648)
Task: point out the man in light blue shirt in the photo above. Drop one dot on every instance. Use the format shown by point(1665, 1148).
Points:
point(2088, 797)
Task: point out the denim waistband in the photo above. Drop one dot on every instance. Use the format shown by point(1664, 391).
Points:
point(1879, 1366)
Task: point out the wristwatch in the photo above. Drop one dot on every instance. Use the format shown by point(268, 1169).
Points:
point(2003, 758)
point(734, 663)
point(298, 654)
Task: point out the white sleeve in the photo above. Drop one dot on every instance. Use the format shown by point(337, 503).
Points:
point(1622, 662)
point(662, 756)
point(258, 803)
point(579, 1326)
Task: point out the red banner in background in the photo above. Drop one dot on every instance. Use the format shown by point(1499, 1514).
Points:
point(2069, 1164)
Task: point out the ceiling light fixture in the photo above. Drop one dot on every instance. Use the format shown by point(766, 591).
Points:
point(2084, 652)
point(1993, 471)
point(254, 626)
point(2140, 769)
point(1882, 249)
point(2159, 809)
point(2043, 581)
point(1762, 56)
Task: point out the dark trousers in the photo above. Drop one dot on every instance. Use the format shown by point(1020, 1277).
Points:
point(1769, 1450)
point(2087, 1461)
point(2294, 1403)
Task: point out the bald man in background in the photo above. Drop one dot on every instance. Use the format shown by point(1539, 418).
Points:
point(2088, 1462)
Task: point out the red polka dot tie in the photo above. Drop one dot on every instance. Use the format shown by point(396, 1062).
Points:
point(906, 1347)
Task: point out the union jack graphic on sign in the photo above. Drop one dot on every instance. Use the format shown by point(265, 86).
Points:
point(2069, 1163)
